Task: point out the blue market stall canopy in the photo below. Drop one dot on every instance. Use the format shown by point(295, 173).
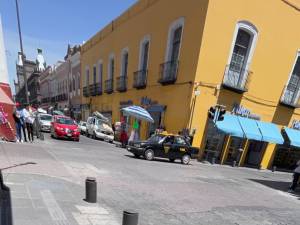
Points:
point(270, 132)
point(250, 129)
point(293, 136)
point(242, 127)
point(230, 125)
point(137, 112)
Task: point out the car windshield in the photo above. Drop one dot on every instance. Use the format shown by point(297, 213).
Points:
point(156, 138)
point(46, 117)
point(101, 122)
point(65, 121)
point(83, 124)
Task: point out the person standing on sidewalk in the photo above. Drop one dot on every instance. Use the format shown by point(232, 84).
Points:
point(29, 120)
point(17, 119)
point(296, 178)
point(23, 125)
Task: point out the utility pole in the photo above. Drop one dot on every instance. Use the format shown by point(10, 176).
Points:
point(22, 53)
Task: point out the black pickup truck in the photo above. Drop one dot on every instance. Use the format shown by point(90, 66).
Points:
point(164, 146)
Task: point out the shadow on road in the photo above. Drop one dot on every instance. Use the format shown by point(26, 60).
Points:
point(6, 217)
point(278, 185)
point(158, 160)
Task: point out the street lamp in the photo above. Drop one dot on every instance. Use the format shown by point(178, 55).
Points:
point(22, 53)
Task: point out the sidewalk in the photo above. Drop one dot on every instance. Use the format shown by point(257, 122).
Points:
point(44, 194)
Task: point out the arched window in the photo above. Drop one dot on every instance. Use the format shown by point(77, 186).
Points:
point(243, 45)
point(124, 61)
point(111, 67)
point(100, 72)
point(174, 40)
point(74, 87)
point(94, 74)
point(87, 76)
point(168, 70)
point(144, 53)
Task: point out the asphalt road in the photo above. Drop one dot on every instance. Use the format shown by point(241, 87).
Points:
point(162, 192)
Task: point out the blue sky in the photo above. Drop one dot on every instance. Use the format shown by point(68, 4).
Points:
point(52, 24)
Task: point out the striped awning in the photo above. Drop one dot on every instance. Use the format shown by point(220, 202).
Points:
point(137, 112)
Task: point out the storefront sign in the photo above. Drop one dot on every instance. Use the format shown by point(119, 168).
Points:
point(296, 124)
point(145, 101)
point(242, 111)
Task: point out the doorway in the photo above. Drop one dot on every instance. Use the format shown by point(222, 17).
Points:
point(255, 153)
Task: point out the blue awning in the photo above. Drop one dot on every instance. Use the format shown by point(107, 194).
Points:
point(270, 132)
point(250, 128)
point(231, 126)
point(293, 136)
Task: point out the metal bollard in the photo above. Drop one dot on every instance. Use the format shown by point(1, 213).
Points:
point(274, 168)
point(130, 217)
point(234, 163)
point(91, 190)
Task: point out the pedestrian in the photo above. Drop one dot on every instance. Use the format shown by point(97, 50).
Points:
point(123, 138)
point(16, 116)
point(23, 124)
point(295, 178)
point(29, 120)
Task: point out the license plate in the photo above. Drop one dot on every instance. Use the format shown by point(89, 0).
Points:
point(69, 135)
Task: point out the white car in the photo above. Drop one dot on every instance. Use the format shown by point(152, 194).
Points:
point(82, 127)
point(98, 128)
point(44, 121)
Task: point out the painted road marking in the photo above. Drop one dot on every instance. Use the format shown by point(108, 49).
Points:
point(54, 210)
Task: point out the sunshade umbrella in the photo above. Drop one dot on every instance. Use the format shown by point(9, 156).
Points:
point(137, 112)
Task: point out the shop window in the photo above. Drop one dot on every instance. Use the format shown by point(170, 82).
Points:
point(244, 41)
point(286, 157)
point(214, 142)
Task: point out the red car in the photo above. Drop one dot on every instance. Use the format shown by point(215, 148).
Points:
point(64, 127)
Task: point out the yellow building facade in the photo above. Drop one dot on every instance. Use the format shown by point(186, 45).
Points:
point(179, 58)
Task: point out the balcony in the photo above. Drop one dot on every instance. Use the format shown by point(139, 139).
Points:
point(168, 72)
point(236, 79)
point(140, 79)
point(109, 86)
point(86, 92)
point(92, 90)
point(122, 83)
point(290, 96)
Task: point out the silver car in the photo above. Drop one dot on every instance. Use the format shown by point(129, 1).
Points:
point(44, 121)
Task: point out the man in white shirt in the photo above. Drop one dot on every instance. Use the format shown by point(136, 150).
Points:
point(29, 119)
point(296, 178)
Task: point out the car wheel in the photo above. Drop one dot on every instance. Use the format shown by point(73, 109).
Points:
point(149, 154)
point(185, 159)
point(136, 155)
point(172, 160)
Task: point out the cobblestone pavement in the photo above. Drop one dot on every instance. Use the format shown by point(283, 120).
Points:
point(52, 190)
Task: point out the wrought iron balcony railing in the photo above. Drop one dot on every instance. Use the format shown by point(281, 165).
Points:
point(168, 72)
point(86, 92)
point(290, 96)
point(122, 83)
point(98, 87)
point(92, 90)
point(109, 86)
point(140, 79)
point(236, 79)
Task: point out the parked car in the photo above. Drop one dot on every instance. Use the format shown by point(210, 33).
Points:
point(164, 146)
point(64, 127)
point(44, 121)
point(82, 127)
point(98, 128)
